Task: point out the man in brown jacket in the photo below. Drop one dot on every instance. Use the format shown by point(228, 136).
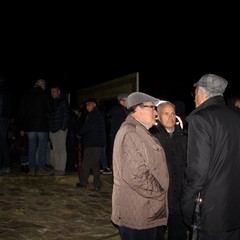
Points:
point(141, 180)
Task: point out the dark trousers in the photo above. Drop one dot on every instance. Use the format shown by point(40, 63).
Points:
point(176, 228)
point(231, 235)
point(156, 233)
point(91, 161)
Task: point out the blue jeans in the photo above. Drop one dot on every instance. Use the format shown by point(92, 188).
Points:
point(48, 161)
point(37, 140)
point(103, 158)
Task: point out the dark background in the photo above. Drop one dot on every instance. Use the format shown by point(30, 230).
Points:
point(77, 46)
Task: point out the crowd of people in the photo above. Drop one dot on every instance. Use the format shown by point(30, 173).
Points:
point(48, 136)
point(163, 165)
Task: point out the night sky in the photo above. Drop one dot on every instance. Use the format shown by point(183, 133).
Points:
point(165, 75)
point(170, 52)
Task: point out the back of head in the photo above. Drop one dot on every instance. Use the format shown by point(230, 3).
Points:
point(41, 83)
point(213, 83)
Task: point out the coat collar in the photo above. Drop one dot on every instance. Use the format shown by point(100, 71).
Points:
point(212, 101)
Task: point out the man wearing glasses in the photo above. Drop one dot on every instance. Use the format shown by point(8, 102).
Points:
point(139, 199)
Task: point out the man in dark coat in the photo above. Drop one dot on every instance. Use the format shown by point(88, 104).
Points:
point(174, 142)
point(33, 120)
point(93, 136)
point(213, 162)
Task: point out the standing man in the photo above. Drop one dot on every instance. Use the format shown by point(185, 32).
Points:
point(139, 199)
point(213, 162)
point(174, 141)
point(33, 120)
point(93, 137)
point(59, 118)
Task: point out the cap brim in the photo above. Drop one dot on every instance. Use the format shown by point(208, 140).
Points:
point(195, 84)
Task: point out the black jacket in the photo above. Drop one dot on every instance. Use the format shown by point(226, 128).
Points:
point(213, 166)
point(175, 148)
point(117, 115)
point(59, 114)
point(93, 132)
point(34, 111)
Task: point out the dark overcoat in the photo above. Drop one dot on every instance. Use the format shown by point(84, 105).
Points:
point(213, 166)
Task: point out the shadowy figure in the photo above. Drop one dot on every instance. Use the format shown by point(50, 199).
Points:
point(33, 120)
point(5, 115)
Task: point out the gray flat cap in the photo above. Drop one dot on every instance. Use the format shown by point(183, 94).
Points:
point(139, 97)
point(122, 96)
point(213, 83)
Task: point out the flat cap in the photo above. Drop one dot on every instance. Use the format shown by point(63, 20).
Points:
point(122, 96)
point(213, 83)
point(139, 97)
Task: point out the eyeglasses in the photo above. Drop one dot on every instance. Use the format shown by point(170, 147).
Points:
point(152, 107)
point(194, 93)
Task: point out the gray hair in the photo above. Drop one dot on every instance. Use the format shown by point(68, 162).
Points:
point(209, 93)
point(164, 104)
